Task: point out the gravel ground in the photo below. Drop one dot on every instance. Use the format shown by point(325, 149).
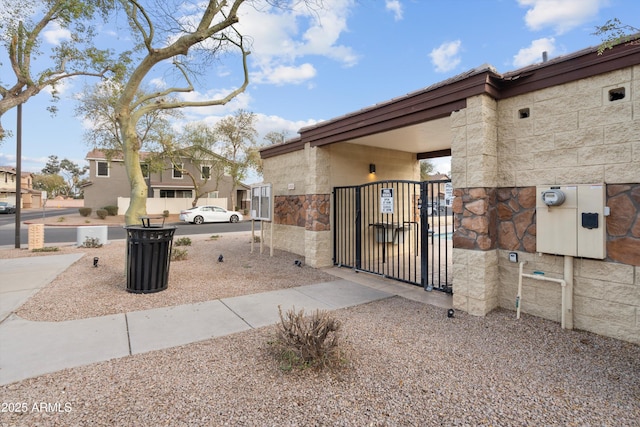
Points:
point(409, 365)
point(198, 278)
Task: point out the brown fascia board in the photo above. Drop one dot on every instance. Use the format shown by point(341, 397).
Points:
point(450, 95)
point(286, 147)
point(579, 65)
point(428, 104)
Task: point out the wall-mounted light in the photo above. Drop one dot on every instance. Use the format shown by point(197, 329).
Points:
point(372, 168)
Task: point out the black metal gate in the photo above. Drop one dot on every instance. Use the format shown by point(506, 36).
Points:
point(398, 229)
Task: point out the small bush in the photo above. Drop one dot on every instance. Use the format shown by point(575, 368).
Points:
point(215, 237)
point(313, 341)
point(111, 210)
point(61, 219)
point(183, 241)
point(178, 254)
point(102, 213)
point(91, 242)
point(84, 211)
point(165, 214)
point(46, 249)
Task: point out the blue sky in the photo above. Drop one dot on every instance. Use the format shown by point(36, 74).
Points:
point(306, 68)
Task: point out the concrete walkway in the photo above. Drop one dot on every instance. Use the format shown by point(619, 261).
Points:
point(29, 349)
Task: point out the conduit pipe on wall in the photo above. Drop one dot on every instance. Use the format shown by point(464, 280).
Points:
point(567, 291)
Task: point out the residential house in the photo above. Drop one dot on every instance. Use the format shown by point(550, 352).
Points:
point(30, 198)
point(169, 182)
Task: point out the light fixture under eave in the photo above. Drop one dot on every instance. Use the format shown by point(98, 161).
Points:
point(372, 168)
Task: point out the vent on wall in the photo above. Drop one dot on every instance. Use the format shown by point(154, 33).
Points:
point(616, 94)
point(524, 113)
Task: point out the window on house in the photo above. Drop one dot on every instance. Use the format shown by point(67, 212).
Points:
point(205, 172)
point(212, 194)
point(103, 169)
point(176, 194)
point(177, 171)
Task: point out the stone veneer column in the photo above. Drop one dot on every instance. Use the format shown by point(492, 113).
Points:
point(474, 172)
point(318, 244)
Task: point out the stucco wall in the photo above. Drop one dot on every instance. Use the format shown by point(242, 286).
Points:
point(572, 134)
point(99, 194)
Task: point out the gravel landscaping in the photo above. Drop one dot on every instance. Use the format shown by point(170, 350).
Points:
point(409, 364)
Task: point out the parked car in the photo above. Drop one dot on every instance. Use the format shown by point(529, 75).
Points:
point(202, 214)
point(7, 208)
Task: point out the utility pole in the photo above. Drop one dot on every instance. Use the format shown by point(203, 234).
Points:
point(19, 147)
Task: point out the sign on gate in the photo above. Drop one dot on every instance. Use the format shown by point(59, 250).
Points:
point(448, 194)
point(386, 200)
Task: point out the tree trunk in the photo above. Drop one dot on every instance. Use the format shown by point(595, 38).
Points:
point(138, 202)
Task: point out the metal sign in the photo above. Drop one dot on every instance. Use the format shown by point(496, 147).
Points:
point(261, 202)
point(386, 200)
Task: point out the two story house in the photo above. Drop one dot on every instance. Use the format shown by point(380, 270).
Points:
point(30, 198)
point(174, 182)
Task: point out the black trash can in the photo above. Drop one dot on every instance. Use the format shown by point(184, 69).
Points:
point(148, 258)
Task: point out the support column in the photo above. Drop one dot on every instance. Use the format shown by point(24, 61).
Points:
point(475, 178)
point(318, 236)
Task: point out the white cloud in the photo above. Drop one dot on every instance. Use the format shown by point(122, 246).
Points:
point(56, 34)
point(284, 74)
point(561, 15)
point(62, 86)
point(266, 124)
point(242, 101)
point(158, 83)
point(446, 57)
point(533, 53)
point(396, 7)
point(282, 37)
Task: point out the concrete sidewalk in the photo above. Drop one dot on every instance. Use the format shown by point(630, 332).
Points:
point(29, 349)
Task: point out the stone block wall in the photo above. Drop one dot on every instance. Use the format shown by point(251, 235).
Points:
point(606, 295)
point(572, 134)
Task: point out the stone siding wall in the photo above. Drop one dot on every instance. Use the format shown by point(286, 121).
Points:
point(310, 211)
point(474, 214)
point(623, 225)
point(516, 219)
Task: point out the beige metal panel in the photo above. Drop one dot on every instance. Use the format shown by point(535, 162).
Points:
point(557, 225)
point(591, 241)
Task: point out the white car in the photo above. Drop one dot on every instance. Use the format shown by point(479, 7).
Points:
point(202, 214)
point(7, 208)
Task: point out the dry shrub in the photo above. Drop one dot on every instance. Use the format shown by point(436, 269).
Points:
point(308, 341)
point(178, 254)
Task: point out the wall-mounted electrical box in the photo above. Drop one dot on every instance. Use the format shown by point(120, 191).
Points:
point(570, 220)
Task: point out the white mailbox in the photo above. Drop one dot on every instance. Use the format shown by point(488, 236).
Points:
point(570, 220)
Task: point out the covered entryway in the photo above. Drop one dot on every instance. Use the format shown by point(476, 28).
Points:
point(398, 229)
